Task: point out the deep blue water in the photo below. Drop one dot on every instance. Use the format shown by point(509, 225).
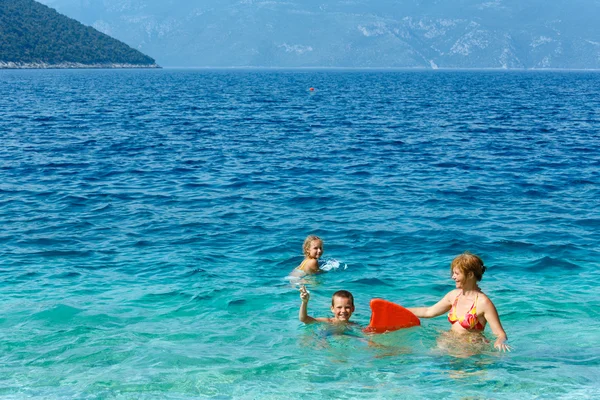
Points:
point(149, 220)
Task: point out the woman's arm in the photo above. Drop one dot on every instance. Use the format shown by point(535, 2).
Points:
point(491, 315)
point(438, 308)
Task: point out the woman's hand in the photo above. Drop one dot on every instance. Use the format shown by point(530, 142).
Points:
point(501, 345)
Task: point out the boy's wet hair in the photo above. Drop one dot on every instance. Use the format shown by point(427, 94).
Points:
point(468, 262)
point(344, 294)
point(309, 239)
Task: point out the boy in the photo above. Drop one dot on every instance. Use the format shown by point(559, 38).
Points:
point(342, 307)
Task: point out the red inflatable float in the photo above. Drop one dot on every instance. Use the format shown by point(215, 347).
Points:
point(387, 316)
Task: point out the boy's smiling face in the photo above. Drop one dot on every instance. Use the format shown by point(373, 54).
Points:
point(342, 309)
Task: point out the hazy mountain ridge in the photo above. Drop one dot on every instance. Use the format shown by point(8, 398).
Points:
point(386, 33)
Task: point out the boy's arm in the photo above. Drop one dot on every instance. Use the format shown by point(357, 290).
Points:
point(303, 314)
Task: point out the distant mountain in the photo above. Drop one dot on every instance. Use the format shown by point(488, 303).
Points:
point(353, 33)
point(35, 36)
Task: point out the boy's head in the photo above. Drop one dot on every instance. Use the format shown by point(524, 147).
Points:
point(342, 305)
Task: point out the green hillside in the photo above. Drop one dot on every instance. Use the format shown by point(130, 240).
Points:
point(30, 32)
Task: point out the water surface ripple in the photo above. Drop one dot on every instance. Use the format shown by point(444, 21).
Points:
point(150, 218)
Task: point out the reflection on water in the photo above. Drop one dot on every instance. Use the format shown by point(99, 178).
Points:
point(463, 345)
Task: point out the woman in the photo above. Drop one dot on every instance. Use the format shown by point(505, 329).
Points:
point(470, 309)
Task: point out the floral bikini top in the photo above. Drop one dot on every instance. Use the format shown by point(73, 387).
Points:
point(469, 321)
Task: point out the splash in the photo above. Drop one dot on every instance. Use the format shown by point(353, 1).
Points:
point(332, 265)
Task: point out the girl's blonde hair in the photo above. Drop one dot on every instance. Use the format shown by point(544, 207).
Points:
point(309, 239)
point(468, 262)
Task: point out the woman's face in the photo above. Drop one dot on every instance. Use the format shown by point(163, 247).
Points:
point(459, 277)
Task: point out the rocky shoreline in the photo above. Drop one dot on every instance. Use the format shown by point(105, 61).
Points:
point(69, 65)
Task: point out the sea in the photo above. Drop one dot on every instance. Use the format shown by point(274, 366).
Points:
point(150, 220)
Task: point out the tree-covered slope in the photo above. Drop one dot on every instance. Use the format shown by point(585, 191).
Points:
point(31, 32)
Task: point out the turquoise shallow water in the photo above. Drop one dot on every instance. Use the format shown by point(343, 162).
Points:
point(150, 219)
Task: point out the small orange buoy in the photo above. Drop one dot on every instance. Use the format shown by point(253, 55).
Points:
point(312, 89)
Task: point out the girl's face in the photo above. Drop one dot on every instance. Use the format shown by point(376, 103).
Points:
point(315, 250)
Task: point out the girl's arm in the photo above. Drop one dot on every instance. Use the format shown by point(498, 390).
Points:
point(438, 308)
point(311, 266)
point(491, 315)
